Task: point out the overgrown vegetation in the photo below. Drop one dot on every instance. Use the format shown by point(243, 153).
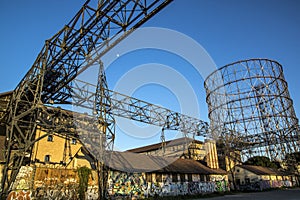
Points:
point(292, 161)
point(262, 161)
point(83, 174)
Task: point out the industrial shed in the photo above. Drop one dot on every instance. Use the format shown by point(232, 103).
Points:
point(251, 177)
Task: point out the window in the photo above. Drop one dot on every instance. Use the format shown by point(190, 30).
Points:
point(207, 178)
point(190, 178)
point(148, 177)
point(47, 158)
point(182, 177)
point(174, 178)
point(158, 178)
point(247, 180)
point(50, 138)
point(202, 178)
point(73, 141)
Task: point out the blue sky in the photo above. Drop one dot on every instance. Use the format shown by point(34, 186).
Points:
point(228, 30)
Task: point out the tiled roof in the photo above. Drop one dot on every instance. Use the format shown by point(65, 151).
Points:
point(259, 170)
point(133, 162)
point(8, 93)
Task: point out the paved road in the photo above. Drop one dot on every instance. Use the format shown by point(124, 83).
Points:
point(287, 194)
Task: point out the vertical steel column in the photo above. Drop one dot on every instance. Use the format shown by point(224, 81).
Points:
point(22, 119)
point(106, 124)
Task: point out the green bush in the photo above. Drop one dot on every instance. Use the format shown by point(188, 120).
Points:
point(83, 174)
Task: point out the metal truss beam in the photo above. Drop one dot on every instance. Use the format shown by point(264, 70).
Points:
point(94, 30)
point(88, 36)
point(134, 109)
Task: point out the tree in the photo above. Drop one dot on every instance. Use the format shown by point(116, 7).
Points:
point(229, 155)
point(262, 161)
point(83, 174)
point(292, 161)
point(292, 164)
point(294, 156)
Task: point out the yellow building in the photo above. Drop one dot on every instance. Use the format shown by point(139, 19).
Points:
point(228, 158)
point(59, 151)
point(184, 148)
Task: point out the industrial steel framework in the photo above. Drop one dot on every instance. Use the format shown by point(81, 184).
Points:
point(95, 29)
point(249, 103)
point(132, 108)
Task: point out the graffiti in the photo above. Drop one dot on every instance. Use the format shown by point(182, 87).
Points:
point(63, 184)
point(282, 183)
point(134, 185)
point(154, 189)
point(287, 183)
point(265, 185)
point(52, 183)
point(92, 193)
point(23, 178)
point(56, 192)
point(222, 186)
point(22, 195)
point(190, 188)
point(126, 184)
point(193, 188)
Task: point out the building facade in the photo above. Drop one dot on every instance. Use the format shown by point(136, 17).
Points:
point(188, 148)
point(55, 158)
point(250, 177)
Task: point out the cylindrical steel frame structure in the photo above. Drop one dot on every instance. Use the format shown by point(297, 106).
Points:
point(249, 103)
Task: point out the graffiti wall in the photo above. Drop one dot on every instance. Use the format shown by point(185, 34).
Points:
point(126, 184)
point(55, 184)
point(26, 195)
point(266, 184)
point(23, 178)
point(47, 183)
point(63, 184)
point(135, 185)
